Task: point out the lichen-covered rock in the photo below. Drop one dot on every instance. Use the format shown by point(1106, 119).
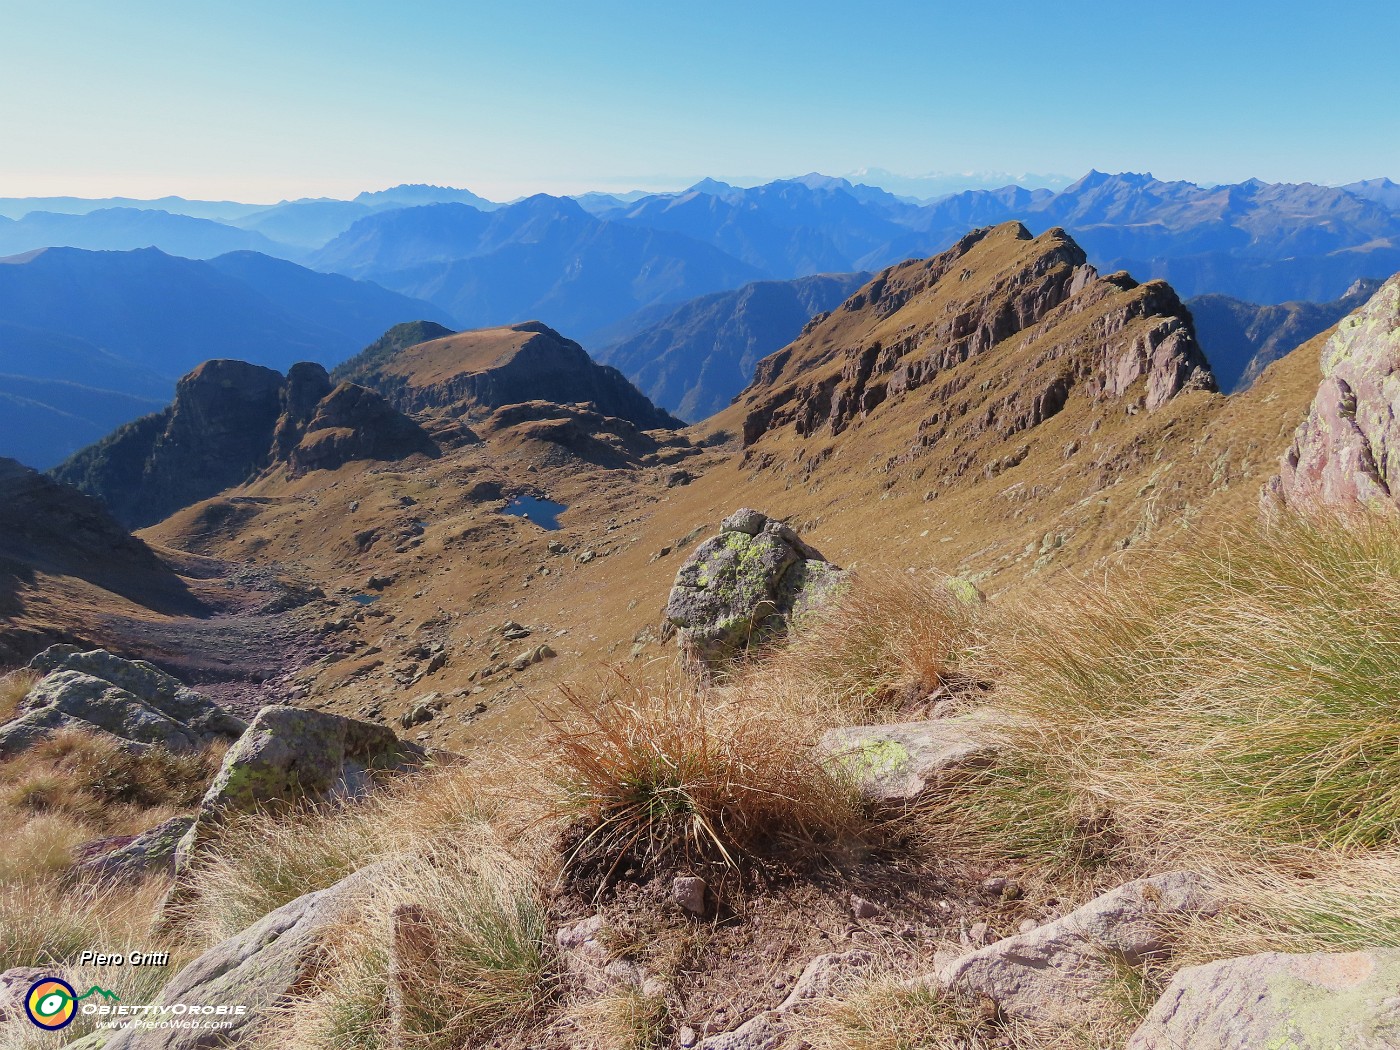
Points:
point(129, 699)
point(1059, 972)
point(261, 968)
point(743, 587)
point(1291, 1002)
point(289, 756)
point(1347, 452)
point(152, 852)
point(906, 761)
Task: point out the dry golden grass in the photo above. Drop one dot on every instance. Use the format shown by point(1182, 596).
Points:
point(14, 687)
point(93, 778)
point(888, 1015)
point(888, 638)
point(485, 972)
point(664, 776)
point(624, 1019)
point(264, 861)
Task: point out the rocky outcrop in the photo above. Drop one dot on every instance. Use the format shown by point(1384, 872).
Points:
point(1299, 1002)
point(131, 700)
point(742, 588)
point(229, 422)
point(1058, 973)
point(1347, 452)
point(474, 373)
point(289, 756)
point(261, 968)
point(906, 761)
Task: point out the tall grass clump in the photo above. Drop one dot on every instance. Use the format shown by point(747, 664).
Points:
point(14, 687)
point(660, 776)
point(1228, 706)
point(481, 969)
point(886, 639)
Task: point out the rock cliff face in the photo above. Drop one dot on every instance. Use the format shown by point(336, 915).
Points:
point(229, 422)
point(1347, 452)
point(473, 373)
point(996, 289)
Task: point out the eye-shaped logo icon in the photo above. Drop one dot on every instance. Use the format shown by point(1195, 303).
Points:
point(51, 1003)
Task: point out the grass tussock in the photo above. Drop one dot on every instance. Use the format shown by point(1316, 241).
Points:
point(14, 687)
point(888, 639)
point(888, 1015)
point(475, 966)
point(624, 1019)
point(264, 861)
point(92, 778)
point(662, 777)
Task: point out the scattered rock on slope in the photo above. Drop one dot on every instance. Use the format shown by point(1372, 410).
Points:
point(742, 587)
point(1299, 1002)
point(906, 761)
point(128, 699)
point(1347, 452)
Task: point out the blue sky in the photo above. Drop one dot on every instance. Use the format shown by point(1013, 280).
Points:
point(262, 100)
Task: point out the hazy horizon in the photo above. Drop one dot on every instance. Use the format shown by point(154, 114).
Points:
point(273, 101)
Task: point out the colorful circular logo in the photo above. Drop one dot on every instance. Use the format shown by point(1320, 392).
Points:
point(51, 1003)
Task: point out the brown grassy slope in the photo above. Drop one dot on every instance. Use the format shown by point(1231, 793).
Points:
point(1018, 495)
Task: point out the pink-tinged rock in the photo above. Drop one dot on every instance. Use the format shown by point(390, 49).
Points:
point(1347, 452)
point(1298, 1002)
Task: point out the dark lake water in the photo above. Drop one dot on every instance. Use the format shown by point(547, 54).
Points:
point(364, 599)
point(543, 512)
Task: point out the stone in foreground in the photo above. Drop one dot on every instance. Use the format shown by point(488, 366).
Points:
point(261, 968)
point(1292, 1002)
point(744, 587)
point(289, 756)
point(907, 761)
point(1057, 973)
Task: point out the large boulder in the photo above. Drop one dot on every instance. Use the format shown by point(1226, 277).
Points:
point(907, 761)
point(1347, 452)
point(1058, 973)
point(1298, 1002)
point(261, 969)
point(128, 699)
point(743, 587)
point(289, 756)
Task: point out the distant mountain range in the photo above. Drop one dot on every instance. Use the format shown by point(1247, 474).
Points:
point(93, 339)
point(618, 273)
point(1267, 243)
